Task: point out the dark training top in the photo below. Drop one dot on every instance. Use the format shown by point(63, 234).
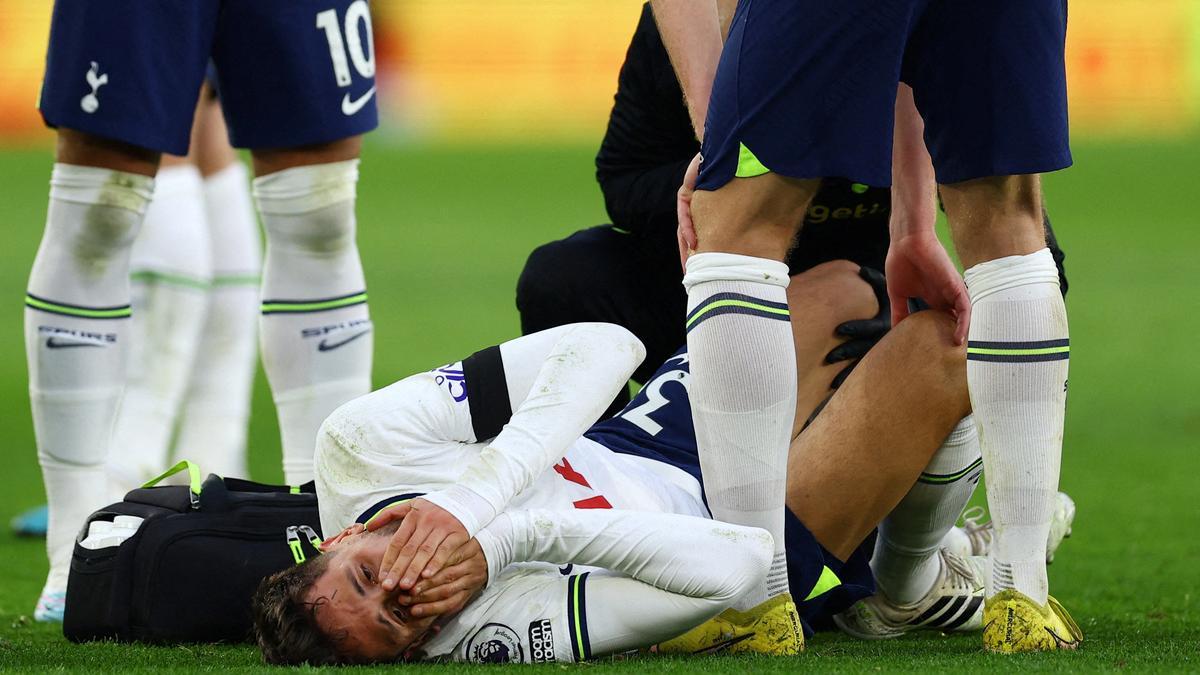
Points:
point(649, 143)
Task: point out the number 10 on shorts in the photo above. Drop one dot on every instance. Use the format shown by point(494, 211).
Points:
point(349, 49)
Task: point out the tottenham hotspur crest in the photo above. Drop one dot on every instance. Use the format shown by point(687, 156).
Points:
point(95, 80)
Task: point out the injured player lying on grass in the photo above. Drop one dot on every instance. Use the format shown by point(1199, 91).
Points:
point(505, 526)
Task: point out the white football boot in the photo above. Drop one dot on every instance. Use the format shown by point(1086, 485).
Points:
point(975, 535)
point(955, 603)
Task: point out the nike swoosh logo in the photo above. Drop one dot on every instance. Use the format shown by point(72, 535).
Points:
point(352, 106)
point(324, 346)
point(566, 569)
point(58, 344)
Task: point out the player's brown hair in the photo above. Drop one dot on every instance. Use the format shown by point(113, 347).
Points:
point(285, 620)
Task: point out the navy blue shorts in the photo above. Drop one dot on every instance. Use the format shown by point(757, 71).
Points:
point(290, 72)
point(807, 88)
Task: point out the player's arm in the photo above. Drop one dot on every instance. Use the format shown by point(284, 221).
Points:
point(693, 32)
point(537, 394)
point(681, 570)
point(558, 382)
point(917, 264)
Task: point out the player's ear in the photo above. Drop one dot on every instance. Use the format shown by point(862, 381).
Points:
point(335, 541)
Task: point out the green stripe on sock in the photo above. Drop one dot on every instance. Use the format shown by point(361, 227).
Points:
point(943, 478)
point(152, 277)
point(237, 280)
point(314, 306)
point(736, 303)
point(1018, 352)
point(114, 313)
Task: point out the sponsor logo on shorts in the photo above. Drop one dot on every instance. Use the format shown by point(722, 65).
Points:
point(541, 641)
point(495, 643)
point(336, 335)
point(351, 106)
point(95, 79)
point(66, 338)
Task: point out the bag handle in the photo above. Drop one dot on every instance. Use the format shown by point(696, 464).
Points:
point(194, 481)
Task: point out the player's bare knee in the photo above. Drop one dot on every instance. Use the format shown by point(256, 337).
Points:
point(931, 334)
point(995, 217)
point(273, 160)
point(757, 216)
point(834, 290)
point(84, 149)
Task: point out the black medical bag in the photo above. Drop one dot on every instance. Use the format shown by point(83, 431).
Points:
point(189, 571)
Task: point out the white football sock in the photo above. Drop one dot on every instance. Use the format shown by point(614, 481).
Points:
point(76, 335)
point(170, 270)
point(1017, 375)
point(743, 393)
point(316, 332)
point(216, 410)
point(905, 562)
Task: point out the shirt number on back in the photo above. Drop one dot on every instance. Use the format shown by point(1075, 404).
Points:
point(640, 416)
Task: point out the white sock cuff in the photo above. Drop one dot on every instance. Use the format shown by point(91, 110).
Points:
point(305, 189)
point(101, 187)
point(963, 432)
point(705, 267)
point(235, 174)
point(959, 451)
point(179, 179)
point(1010, 272)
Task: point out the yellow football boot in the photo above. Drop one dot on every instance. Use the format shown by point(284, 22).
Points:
point(1012, 622)
point(770, 628)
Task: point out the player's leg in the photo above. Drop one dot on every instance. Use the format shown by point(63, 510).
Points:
point(989, 142)
point(771, 130)
point(216, 410)
point(170, 274)
point(119, 97)
point(297, 85)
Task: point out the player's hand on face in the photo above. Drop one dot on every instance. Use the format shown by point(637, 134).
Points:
point(686, 233)
point(426, 539)
point(919, 267)
point(448, 591)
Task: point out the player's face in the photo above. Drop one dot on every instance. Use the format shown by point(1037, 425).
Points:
point(375, 626)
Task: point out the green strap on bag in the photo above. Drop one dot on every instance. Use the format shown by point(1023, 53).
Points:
point(195, 482)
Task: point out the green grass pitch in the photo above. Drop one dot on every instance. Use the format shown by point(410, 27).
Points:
point(444, 232)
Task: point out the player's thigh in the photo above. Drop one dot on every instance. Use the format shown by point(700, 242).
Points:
point(806, 89)
point(128, 71)
point(989, 80)
point(823, 297)
point(296, 73)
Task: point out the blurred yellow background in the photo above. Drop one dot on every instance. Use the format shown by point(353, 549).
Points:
point(545, 70)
